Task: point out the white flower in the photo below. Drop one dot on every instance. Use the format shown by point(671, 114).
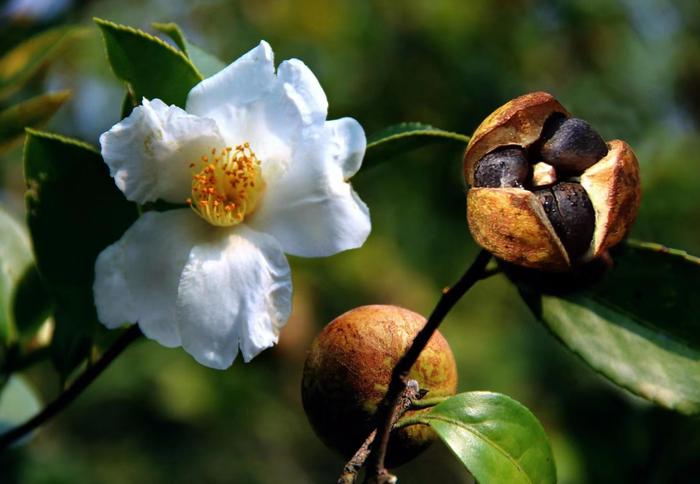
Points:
point(264, 174)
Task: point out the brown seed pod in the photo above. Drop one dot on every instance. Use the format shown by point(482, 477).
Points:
point(348, 369)
point(589, 206)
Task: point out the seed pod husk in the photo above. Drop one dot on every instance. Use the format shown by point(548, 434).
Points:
point(518, 123)
point(614, 188)
point(568, 223)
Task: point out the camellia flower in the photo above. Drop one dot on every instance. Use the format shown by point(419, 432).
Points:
point(263, 173)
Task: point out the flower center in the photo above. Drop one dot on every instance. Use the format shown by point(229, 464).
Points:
point(226, 185)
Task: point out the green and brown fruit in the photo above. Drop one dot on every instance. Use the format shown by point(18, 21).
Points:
point(348, 369)
point(547, 192)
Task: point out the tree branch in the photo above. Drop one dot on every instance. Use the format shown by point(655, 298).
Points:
point(386, 413)
point(405, 401)
point(72, 392)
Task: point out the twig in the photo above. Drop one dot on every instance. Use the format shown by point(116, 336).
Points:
point(72, 392)
point(386, 412)
point(406, 400)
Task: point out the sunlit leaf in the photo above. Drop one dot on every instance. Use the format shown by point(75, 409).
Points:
point(33, 112)
point(172, 30)
point(18, 403)
point(153, 68)
point(640, 326)
point(22, 62)
point(74, 210)
point(15, 259)
point(206, 63)
point(402, 138)
point(496, 438)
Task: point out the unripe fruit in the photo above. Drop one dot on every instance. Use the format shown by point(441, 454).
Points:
point(347, 373)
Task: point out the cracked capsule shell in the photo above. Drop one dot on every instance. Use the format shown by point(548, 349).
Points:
point(512, 223)
point(518, 122)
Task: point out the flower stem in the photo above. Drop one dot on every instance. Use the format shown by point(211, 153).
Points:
point(391, 403)
point(72, 392)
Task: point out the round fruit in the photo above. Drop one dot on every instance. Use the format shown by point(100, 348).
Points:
point(348, 369)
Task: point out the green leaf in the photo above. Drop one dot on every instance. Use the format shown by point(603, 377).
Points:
point(18, 403)
point(172, 30)
point(128, 104)
point(206, 63)
point(22, 62)
point(74, 210)
point(15, 259)
point(33, 112)
point(639, 327)
point(401, 138)
point(495, 437)
point(151, 67)
point(31, 303)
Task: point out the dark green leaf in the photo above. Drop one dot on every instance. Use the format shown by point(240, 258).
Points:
point(152, 68)
point(128, 104)
point(18, 403)
point(15, 259)
point(404, 137)
point(33, 113)
point(22, 62)
point(207, 64)
point(74, 211)
point(31, 303)
point(639, 327)
point(495, 437)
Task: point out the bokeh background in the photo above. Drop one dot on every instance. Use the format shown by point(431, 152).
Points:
point(630, 68)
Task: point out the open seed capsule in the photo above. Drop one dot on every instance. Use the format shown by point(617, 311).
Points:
point(583, 203)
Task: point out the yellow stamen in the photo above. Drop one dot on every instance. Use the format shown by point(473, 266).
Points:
point(227, 186)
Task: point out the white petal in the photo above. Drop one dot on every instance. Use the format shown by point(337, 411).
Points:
point(136, 278)
point(150, 151)
point(310, 208)
point(302, 86)
point(251, 104)
point(247, 79)
point(234, 292)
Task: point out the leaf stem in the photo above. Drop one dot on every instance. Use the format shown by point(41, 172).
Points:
point(428, 402)
point(72, 392)
point(390, 405)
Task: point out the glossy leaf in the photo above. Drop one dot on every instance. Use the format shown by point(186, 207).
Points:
point(18, 403)
point(22, 62)
point(33, 112)
point(74, 210)
point(153, 68)
point(15, 259)
point(496, 438)
point(404, 137)
point(206, 63)
point(639, 326)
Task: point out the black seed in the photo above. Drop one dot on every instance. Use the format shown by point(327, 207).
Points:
point(504, 167)
point(571, 145)
point(571, 213)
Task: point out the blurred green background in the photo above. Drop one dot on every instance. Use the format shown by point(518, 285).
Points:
point(630, 68)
